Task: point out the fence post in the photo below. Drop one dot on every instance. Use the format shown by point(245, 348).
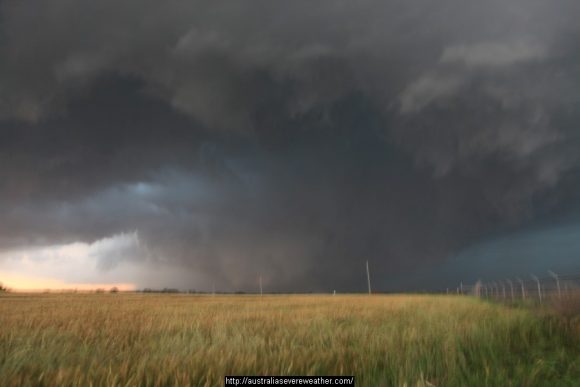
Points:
point(523, 288)
point(555, 276)
point(509, 281)
point(539, 287)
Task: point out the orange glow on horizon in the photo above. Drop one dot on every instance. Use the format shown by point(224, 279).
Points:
point(18, 283)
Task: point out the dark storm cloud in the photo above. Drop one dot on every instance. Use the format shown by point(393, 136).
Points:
point(296, 139)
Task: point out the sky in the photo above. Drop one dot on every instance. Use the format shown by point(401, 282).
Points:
point(203, 144)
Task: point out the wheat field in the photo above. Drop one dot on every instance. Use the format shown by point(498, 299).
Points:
point(180, 340)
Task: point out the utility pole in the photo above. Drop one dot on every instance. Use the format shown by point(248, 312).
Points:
point(555, 276)
point(368, 277)
point(539, 287)
point(261, 286)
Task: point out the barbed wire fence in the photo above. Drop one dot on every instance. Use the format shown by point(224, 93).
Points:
point(530, 288)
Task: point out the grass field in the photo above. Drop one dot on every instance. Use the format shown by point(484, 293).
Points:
point(174, 340)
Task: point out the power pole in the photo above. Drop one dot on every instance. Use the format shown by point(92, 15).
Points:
point(261, 286)
point(368, 277)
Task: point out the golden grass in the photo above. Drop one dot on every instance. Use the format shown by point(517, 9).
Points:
point(153, 339)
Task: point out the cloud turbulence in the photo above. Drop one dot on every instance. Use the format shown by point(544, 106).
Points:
point(292, 139)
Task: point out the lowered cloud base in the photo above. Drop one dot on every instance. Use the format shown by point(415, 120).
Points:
point(295, 140)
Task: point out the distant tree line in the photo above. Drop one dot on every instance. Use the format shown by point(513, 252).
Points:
point(193, 291)
point(164, 290)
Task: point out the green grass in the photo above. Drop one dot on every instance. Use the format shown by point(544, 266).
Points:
point(175, 340)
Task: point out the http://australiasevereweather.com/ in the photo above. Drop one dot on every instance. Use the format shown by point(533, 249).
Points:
point(289, 380)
